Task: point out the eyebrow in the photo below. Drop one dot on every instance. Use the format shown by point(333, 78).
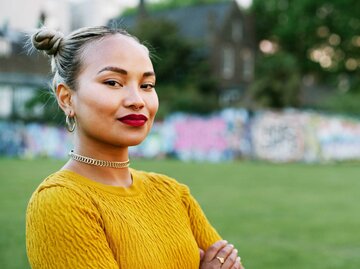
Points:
point(123, 71)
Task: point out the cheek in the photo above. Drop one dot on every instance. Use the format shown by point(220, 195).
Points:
point(153, 104)
point(95, 102)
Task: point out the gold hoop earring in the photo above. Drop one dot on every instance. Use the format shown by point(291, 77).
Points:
point(70, 123)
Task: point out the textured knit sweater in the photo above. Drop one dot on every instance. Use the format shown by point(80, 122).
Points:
point(74, 222)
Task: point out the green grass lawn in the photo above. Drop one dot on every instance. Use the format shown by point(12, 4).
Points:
point(291, 216)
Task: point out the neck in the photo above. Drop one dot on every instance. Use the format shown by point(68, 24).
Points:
point(106, 175)
point(97, 162)
point(99, 150)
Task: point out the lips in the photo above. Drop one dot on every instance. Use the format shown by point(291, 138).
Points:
point(134, 120)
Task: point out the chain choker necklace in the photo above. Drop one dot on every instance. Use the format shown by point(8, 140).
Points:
point(96, 162)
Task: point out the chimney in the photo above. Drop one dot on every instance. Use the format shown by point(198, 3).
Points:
point(142, 10)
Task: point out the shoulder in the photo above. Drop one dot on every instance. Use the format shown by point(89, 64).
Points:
point(58, 190)
point(162, 181)
point(157, 178)
point(58, 179)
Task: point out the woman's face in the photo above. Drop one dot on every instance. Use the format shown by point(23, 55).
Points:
point(115, 102)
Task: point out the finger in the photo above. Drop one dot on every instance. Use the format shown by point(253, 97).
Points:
point(238, 264)
point(230, 260)
point(202, 253)
point(214, 249)
point(225, 251)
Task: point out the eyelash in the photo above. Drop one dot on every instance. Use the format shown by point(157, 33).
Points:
point(112, 83)
point(146, 86)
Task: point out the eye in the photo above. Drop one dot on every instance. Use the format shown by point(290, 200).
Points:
point(147, 86)
point(113, 83)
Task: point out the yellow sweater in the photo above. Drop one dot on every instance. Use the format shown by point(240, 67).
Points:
point(73, 222)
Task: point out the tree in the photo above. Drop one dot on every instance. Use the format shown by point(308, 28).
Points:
point(323, 37)
point(46, 102)
point(277, 83)
point(168, 4)
point(183, 73)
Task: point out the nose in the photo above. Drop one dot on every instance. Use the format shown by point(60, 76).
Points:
point(133, 99)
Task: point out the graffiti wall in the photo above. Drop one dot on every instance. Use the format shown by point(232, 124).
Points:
point(285, 136)
point(338, 139)
point(278, 137)
point(33, 140)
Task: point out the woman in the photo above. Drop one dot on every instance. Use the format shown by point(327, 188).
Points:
point(96, 212)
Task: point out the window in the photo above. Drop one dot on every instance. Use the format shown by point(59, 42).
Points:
point(237, 30)
point(248, 64)
point(228, 62)
point(5, 47)
point(6, 99)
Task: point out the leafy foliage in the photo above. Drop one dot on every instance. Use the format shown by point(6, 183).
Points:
point(278, 83)
point(183, 74)
point(322, 37)
point(46, 101)
point(168, 4)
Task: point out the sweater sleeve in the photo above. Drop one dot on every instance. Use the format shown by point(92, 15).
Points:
point(64, 230)
point(205, 235)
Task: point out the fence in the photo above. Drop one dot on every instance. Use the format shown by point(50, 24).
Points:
point(230, 134)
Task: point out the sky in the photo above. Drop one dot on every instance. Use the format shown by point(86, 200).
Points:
point(131, 3)
point(24, 15)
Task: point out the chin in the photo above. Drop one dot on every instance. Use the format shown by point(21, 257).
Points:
point(131, 141)
point(134, 143)
point(127, 139)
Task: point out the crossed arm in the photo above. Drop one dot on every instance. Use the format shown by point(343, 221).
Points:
point(93, 251)
point(220, 254)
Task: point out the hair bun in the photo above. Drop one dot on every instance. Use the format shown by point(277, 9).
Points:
point(47, 40)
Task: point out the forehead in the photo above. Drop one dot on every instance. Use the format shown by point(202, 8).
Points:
point(116, 50)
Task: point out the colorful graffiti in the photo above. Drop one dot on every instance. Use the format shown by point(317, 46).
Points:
point(285, 136)
point(33, 140)
point(200, 138)
point(278, 137)
point(339, 139)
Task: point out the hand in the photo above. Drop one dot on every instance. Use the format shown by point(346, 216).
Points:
point(211, 259)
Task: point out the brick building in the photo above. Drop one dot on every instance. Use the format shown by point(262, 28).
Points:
point(21, 76)
point(226, 34)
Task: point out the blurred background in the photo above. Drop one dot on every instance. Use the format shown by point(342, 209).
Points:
point(259, 103)
point(278, 81)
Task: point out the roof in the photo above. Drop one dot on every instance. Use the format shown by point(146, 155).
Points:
point(194, 22)
point(17, 66)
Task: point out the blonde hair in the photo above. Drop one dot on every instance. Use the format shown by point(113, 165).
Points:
point(66, 51)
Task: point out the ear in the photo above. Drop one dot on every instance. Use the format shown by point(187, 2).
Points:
point(64, 98)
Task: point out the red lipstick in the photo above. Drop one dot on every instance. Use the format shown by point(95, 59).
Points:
point(135, 120)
